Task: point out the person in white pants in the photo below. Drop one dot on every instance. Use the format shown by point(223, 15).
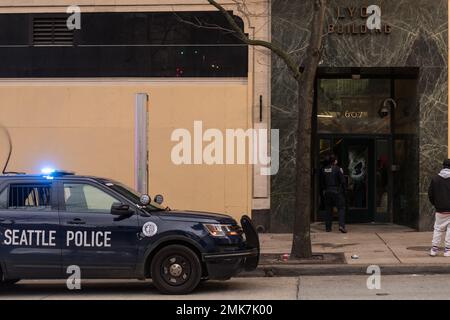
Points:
point(439, 195)
point(441, 227)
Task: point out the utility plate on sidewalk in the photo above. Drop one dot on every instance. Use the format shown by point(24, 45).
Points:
point(317, 258)
point(422, 248)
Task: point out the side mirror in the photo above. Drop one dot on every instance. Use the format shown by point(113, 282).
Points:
point(159, 199)
point(145, 199)
point(119, 209)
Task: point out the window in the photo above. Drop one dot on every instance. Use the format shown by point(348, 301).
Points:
point(353, 106)
point(120, 44)
point(28, 196)
point(80, 197)
point(4, 199)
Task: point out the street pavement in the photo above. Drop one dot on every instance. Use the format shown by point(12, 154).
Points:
point(237, 288)
point(278, 288)
point(379, 244)
point(399, 287)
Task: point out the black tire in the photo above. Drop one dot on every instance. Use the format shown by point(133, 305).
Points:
point(6, 282)
point(176, 269)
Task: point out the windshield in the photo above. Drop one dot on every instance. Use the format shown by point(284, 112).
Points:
point(133, 195)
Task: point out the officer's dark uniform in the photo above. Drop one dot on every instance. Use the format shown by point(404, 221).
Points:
point(333, 188)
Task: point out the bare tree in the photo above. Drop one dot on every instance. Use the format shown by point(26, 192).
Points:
point(304, 73)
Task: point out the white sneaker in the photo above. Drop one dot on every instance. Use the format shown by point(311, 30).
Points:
point(435, 250)
point(447, 252)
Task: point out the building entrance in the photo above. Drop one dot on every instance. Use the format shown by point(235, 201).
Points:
point(368, 119)
point(365, 162)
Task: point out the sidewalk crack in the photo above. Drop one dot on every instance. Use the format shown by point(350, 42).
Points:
point(297, 297)
point(390, 249)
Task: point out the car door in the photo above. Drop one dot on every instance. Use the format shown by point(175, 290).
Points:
point(103, 245)
point(29, 229)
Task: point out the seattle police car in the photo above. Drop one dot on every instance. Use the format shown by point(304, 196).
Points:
point(56, 220)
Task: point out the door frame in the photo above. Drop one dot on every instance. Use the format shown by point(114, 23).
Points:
point(387, 216)
point(392, 73)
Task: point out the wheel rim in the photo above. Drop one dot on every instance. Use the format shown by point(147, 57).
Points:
point(176, 270)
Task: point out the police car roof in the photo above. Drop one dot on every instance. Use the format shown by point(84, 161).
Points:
point(65, 175)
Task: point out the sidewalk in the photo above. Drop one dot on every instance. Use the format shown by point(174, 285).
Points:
point(396, 249)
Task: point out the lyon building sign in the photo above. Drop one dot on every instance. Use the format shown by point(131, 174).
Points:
point(358, 20)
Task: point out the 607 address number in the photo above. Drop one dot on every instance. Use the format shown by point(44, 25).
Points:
point(353, 114)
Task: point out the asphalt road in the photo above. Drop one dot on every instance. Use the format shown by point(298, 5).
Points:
point(308, 287)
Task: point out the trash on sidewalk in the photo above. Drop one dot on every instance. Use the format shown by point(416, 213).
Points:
point(285, 257)
point(355, 257)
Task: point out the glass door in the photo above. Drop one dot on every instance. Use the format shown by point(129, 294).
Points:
point(355, 157)
point(366, 162)
point(383, 180)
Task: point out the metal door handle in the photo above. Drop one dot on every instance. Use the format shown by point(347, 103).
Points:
point(6, 221)
point(76, 221)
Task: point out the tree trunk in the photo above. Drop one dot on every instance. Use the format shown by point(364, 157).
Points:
point(301, 244)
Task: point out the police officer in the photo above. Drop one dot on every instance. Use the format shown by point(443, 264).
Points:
point(333, 188)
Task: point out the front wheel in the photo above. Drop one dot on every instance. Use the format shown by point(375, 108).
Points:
point(176, 269)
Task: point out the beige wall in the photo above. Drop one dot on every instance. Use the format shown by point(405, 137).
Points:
point(230, 189)
point(88, 127)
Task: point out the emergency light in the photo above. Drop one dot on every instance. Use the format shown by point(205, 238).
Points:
point(51, 173)
point(47, 171)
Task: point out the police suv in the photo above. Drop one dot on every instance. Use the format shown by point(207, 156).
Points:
point(55, 221)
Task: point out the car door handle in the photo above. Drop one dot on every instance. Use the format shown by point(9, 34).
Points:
point(76, 221)
point(6, 221)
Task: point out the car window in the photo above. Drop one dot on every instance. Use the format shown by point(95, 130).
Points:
point(25, 196)
point(81, 197)
point(132, 195)
point(4, 199)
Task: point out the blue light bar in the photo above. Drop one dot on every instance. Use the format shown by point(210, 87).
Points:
point(47, 171)
point(50, 173)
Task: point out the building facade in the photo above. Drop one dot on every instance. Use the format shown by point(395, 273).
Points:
point(381, 106)
point(105, 99)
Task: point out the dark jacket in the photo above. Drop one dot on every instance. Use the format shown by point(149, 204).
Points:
point(332, 179)
point(439, 191)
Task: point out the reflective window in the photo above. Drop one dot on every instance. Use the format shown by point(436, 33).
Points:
point(382, 175)
point(126, 44)
point(354, 106)
point(86, 198)
point(155, 28)
point(4, 199)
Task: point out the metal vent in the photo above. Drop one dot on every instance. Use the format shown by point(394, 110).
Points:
point(51, 31)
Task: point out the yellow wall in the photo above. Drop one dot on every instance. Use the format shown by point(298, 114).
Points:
point(88, 127)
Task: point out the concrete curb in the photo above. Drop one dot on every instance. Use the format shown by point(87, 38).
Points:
point(343, 269)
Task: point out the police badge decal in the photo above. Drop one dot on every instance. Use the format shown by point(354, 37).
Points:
point(149, 229)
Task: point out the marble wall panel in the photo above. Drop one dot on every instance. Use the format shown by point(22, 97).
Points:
point(418, 39)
